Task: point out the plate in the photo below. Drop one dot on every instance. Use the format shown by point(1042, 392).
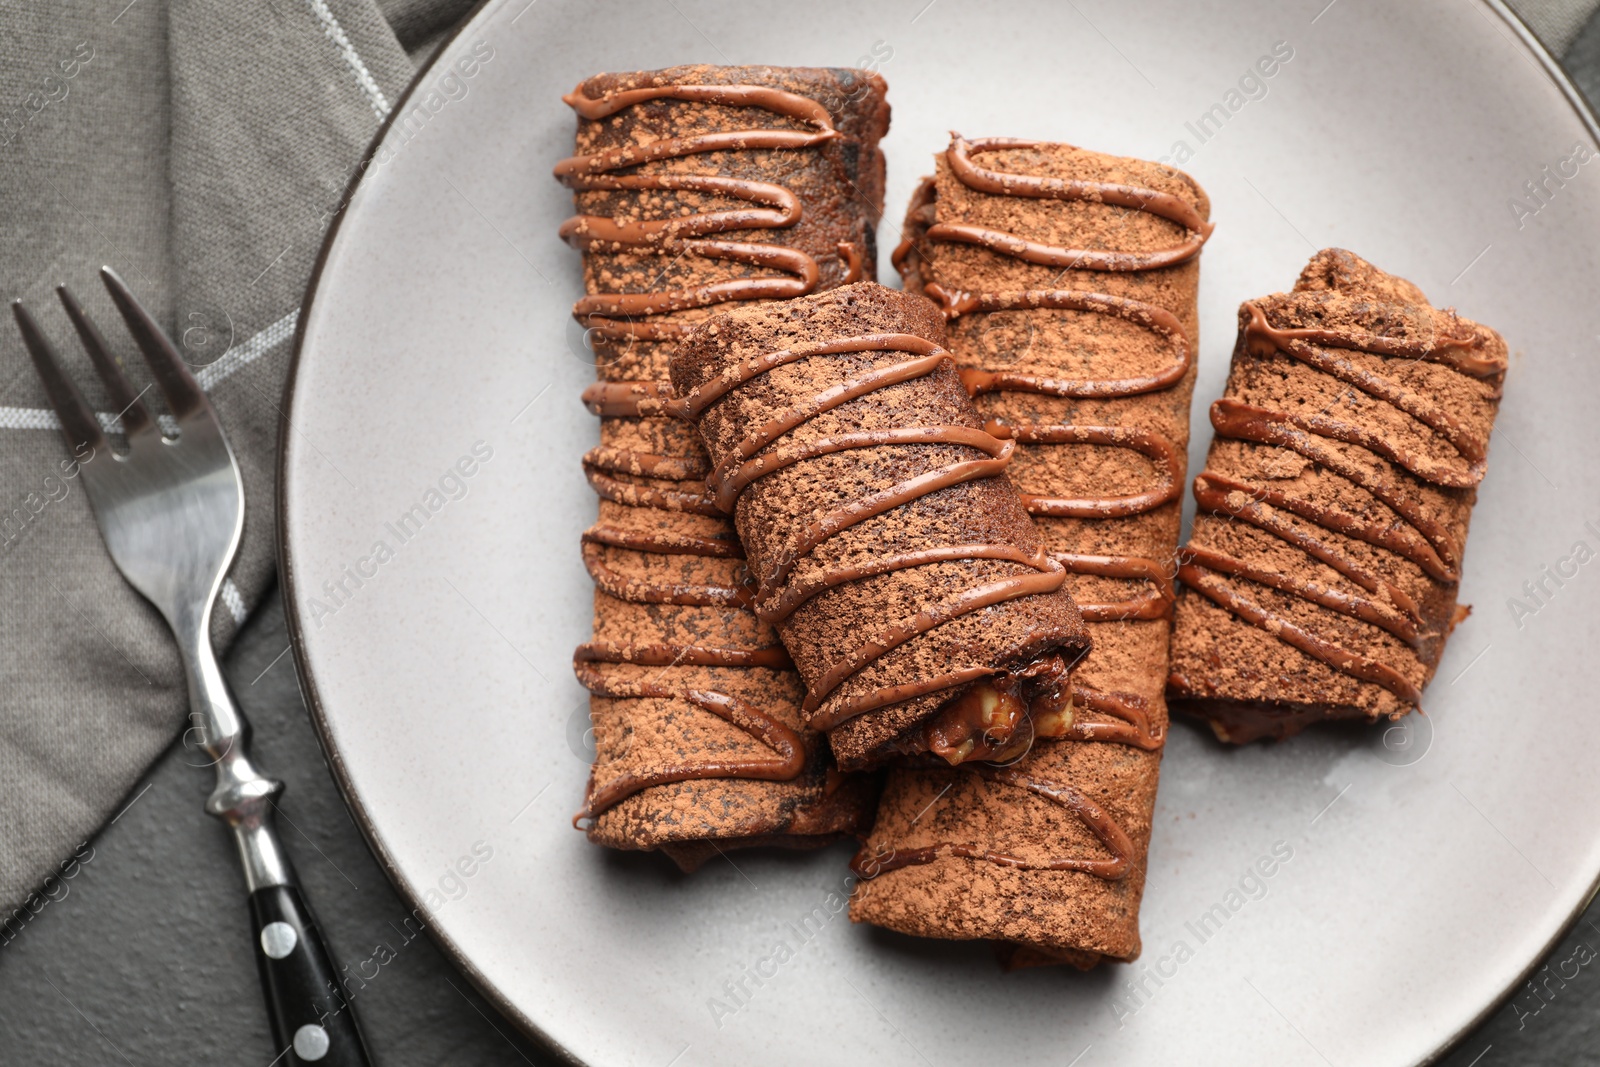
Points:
point(432, 501)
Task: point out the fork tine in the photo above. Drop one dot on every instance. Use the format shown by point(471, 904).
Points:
point(183, 393)
point(135, 416)
point(78, 423)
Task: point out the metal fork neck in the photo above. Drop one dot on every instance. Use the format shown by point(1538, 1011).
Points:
point(243, 796)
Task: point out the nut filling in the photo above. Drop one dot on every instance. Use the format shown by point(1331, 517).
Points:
point(996, 719)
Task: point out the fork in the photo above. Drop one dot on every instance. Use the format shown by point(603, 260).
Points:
point(171, 511)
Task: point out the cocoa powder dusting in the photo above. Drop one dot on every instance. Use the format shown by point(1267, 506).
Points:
point(1334, 504)
point(672, 584)
point(832, 622)
point(1004, 328)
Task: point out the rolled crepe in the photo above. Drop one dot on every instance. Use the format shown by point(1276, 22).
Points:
point(1320, 581)
point(888, 547)
point(696, 186)
point(1069, 279)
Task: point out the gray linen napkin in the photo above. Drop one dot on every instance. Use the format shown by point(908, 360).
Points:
point(1555, 22)
point(201, 149)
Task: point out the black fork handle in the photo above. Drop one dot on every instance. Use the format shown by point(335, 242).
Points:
point(312, 1020)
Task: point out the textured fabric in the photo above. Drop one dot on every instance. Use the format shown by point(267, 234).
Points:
point(1556, 23)
point(420, 24)
point(201, 149)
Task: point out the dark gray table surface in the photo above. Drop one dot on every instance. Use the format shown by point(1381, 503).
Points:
point(144, 956)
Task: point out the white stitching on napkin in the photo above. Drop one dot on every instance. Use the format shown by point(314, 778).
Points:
point(234, 602)
point(14, 418)
point(336, 34)
point(247, 353)
point(29, 419)
point(45, 419)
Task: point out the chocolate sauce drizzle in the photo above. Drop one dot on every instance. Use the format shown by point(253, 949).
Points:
point(1368, 463)
point(1157, 603)
point(1163, 454)
point(1004, 183)
point(778, 595)
point(1094, 817)
point(1135, 728)
point(786, 763)
point(1132, 725)
point(773, 207)
point(677, 483)
point(1154, 447)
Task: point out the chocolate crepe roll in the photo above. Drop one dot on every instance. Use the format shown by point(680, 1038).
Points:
point(889, 549)
point(1069, 279)
point(696, 186)
point(1320, 581)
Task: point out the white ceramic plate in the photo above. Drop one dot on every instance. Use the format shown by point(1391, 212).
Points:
point(1429, 866)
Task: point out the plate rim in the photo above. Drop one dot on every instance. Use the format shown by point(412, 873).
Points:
point(288, 593)
point(1586, 114)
